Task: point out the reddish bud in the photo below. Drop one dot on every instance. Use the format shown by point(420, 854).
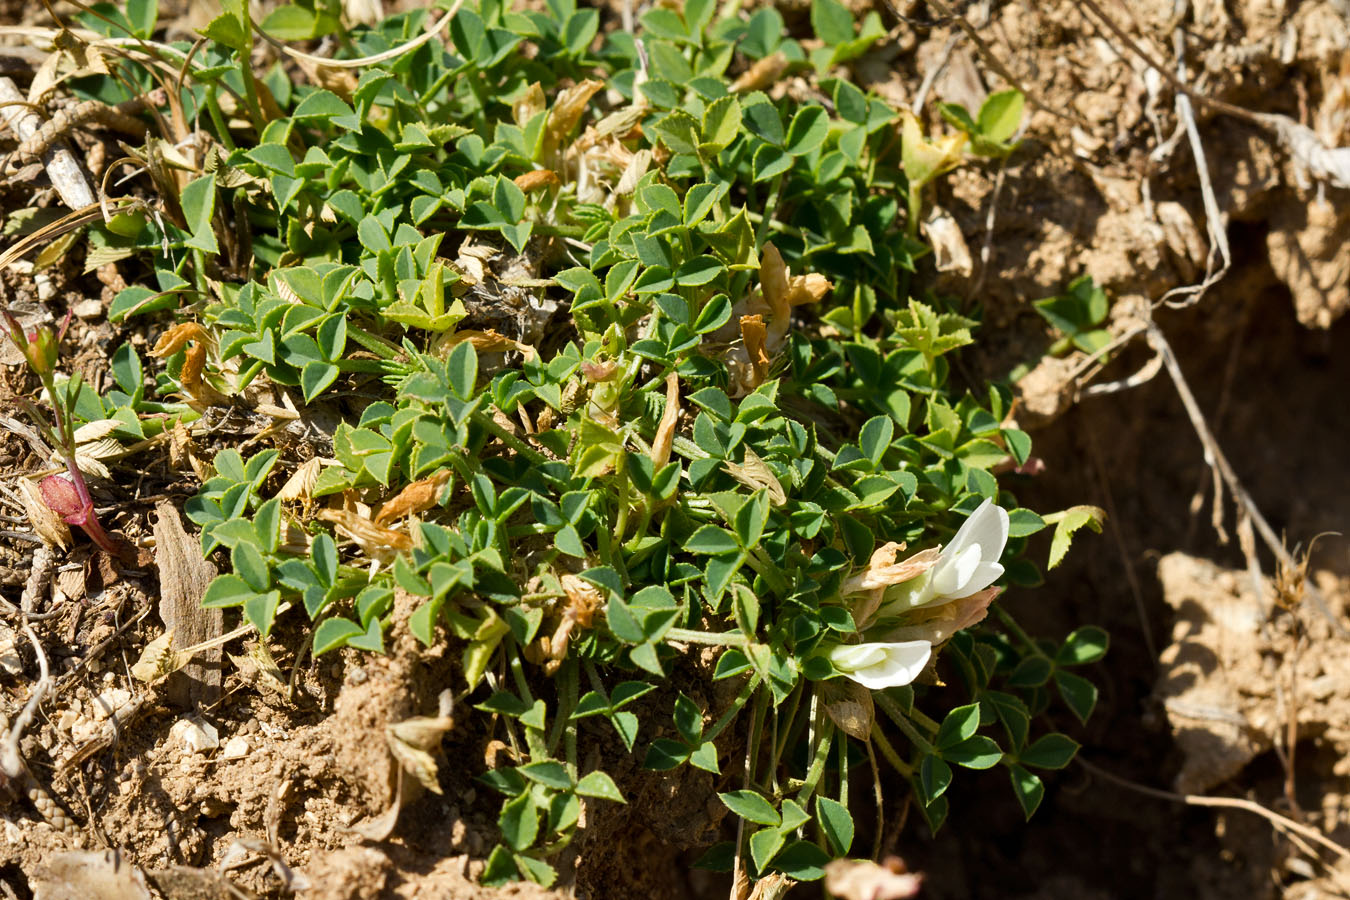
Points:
point(64, 499)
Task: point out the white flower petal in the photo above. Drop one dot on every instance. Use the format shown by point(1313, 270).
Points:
point(954, 571)
point(986, 573)
point(901, 663)
point(987, 527)
point(857, 656)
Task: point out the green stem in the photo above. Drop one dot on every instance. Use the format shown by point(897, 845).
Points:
point(820, 754)
point(381, 347)
point(251, 92)
point(1016, 629)
point(896, 715)
point(708, 638)
point(218, 118)
point(731, 712)
point(879, 740)
point(762, 226)
point(487, 423)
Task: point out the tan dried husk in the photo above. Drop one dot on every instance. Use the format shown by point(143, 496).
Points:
point(486, 341)
point(159, 659)
point(300, 486)
point(375, 541)
point(760, 322)
point(937, 624)
point(415, 498)
point(755, 474)
point(665, 429)
point(411, 741)
point(868, 587)
point(46, 523)
point(537, 179)
point(849, 705)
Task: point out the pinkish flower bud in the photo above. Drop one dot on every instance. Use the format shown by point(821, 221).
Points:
point(64, 499)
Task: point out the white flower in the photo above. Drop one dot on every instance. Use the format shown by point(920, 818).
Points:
point(966, 566)
point(878, 666)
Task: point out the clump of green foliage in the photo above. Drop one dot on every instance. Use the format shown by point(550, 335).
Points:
point(627, 356)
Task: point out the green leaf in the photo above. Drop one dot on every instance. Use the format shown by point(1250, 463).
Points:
point(142, 15)
point(1024, 522)
point(225, 591)
point(199, 205)
point(679, 131)
point(598, 784)
point(519, 822)
point(333, 633)
point(711, 540)
point(802, 860)
point(875, 437)
point(316, 377)
point(549, 773)
point(227, 29)
point(1072, 520)
point(1085, 645)
point(721, 124)
point(752, 807)
point(1028, 788)
point(261, 609)
point(1079, 694)
point(836, 822)
point(831, 21)
point(462, 369)
point(978, 752)
point(291, 23)
point(934, 777)
point(1000, 115)
point(249, 564)
point(127, 370)
point(1052, 751)
point(959, 725)
point(764, 845)
point(808, 129)
point(321, 104)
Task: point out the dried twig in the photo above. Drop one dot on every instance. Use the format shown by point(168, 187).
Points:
point(1282, 823)
point(120, 118)
point(62, 166)
point(11, 758)
point(1214, 220)
point(997, 64)
point(39, 578)
point(392, 53)
point(1214, 456)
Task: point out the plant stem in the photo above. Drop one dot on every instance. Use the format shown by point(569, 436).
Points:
point(710, 638)
point(1016, 629)
point(727, 717)
point(902, 722)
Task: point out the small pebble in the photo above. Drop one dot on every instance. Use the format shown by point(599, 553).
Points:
point(195, 736)
point(236, 747)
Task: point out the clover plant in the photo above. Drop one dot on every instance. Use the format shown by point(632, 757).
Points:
point(628, 353)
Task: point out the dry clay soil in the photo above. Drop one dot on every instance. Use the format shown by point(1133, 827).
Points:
point(1210, 688)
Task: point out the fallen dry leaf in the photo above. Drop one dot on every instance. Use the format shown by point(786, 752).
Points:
point(183, 579)
point(88, 875)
